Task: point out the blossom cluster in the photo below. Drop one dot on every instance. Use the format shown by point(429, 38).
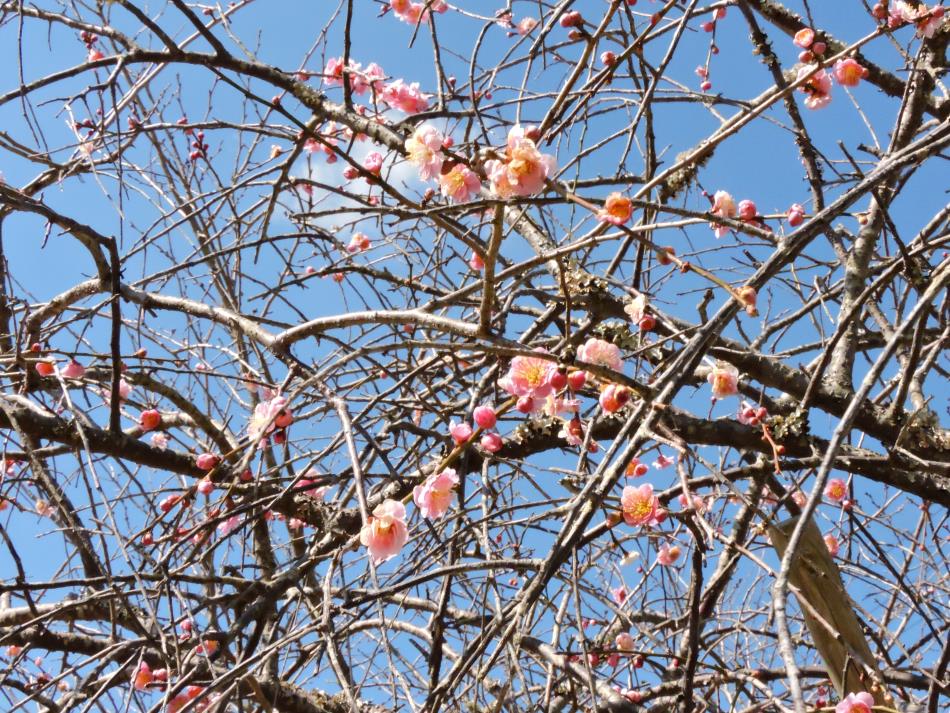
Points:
point(397, 94)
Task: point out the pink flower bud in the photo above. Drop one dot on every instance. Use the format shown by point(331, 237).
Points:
point(150, 419)
point(73, 370)
point(476, 263)
point(484, 416)
point(747, 210)
point(492, 442)
point(205, 486)
point(557, 379)
point(460, 432)
point(577, 379)
point(525, 404)
point(206, 461)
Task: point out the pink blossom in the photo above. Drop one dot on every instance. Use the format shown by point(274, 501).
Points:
point(818, 87)
point(358, 243)
point(619, 594)
point(831, 542)
point(639, 505)
point(636, 469)
point(617, 209)
point(524, 169)
point(266, 416)
point(795, 215)
point(43, 508)
point(861, 702)
point(424, 150)
point(94, 55)
point(407, 98)
point(434, 496)
point(748, 297)
point(143, 677)
point(159, 440)
point(206, 461)
point(525, 25)
point(205, 486)
point(636, 309)
point(725, 207)
point(528, 376)
point(751, 415)
point(228, 526)
point(698, 504)
point(663, 461)
point(371, 77)
point(373, 163)
point(475, 262)
point(459, 183)
point(600, 352)
point(73, 370)
point(747, 210)
point(724, 379)
point(460, 432)
point(333, 74)
point(836, 490)
point(385, 533)
point(572, 431)
point(624, 641)
point(492, 442)
point(614, 397)
point(849, 72)
point(667, 555)
point(804, 38)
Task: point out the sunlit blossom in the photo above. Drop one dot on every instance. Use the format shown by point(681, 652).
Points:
point(817, 87)
point(849, 72)
point(639, 505)
point(434, 496)
point(724, 379)
point(617, 209)
point(385, 533)
point(459, 183)
point(836, 490)
point(407, 98)
point(861, 702)
point(723, 206)
point(601, 352)
point(528, 376)
point(667, 555)
point(523, 170)
point(424, 151)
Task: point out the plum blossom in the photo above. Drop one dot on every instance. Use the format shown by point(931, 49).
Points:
point(836, 490)
point(572, 431)
point(624, 641)
point(359, 242)
point(861, 702)
point(528, 376)
point(269, 415)
point(229, 525)
point(795, 215)
point(747, 297)
point(525, 25)
point(614, 397)
point(434, 496)
point(636, 469)
point(373, 162)
point(751, 415)
point(640, 506)
point(818, 87)
point(424, 150)
point(724, 379)
point(663, 461)
point(484, 416)
point(459, 183)
point(385, 533)
point(619, 594)
point(849, 72)
point(407, 98)
point(523, 170)
point(159, 440)
point(600, 352)
point(333, 74)
point(617, 209)
point(831, 542)
point(415, 12)
point(667, 555)
point(723, 206)
point(804, 38)
point(636, 309)
point(491, 442)
point(73, 370)
point(460, 432)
